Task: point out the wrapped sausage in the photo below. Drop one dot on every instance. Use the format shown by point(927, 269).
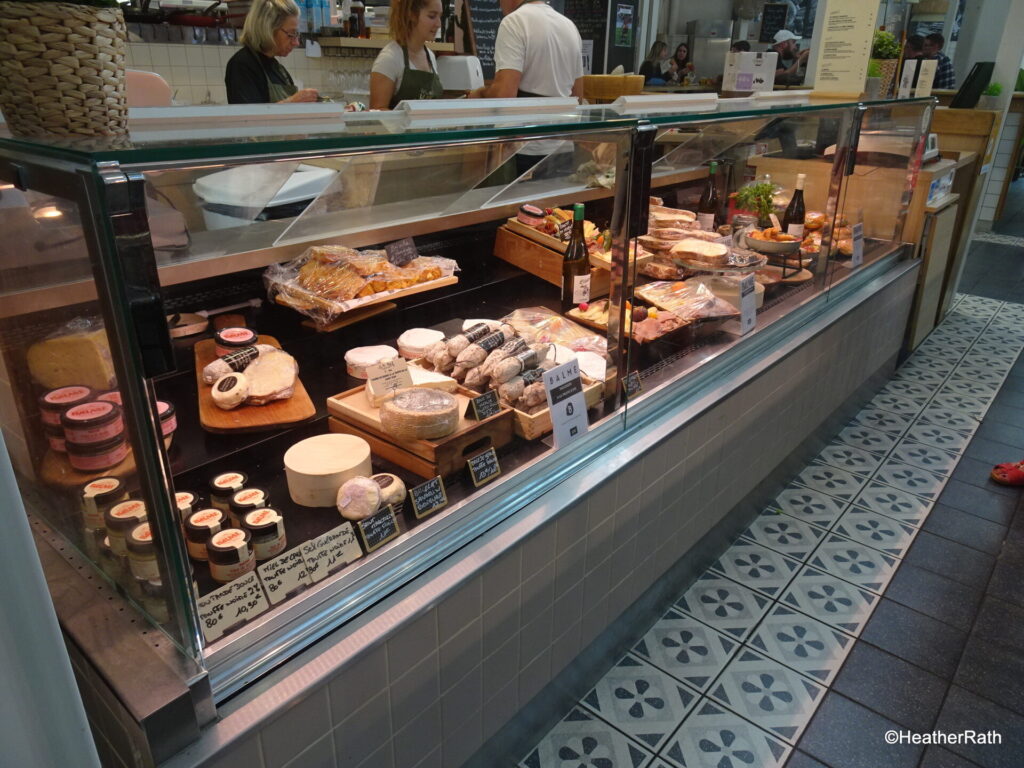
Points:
point(476, 379)
point(513, 365)
point(533, 396)
point(476, 353)
point(511, 347)
point(512, 390)
point(456, 344)
point(234, 362)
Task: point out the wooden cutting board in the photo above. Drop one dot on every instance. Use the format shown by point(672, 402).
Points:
point(247, 418)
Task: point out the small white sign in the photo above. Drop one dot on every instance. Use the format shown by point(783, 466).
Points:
point(564, 390)
point(231, 605)
point(749, 71)
point(329, 552)
point(907, 78)
point(926, 78)
point(858, 245)
point(387, 377)
point(748, 304)
point(588, 57)
point(284, 574)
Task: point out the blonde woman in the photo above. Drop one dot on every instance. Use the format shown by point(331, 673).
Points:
point(254, 75)
point(405, 68)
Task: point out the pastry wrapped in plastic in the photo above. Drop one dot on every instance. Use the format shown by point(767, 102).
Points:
point(419, 414)
point(689, 301)
point(539, 325)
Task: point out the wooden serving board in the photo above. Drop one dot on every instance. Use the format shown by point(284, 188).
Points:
point(247, 418)
point(351, 413)
point(56, 470)
point(546, 263)
point(794, 278)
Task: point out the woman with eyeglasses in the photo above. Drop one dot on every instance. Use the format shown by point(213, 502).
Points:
point(254, 75)
point(405, 69)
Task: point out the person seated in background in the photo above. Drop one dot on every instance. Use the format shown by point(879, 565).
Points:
point(683, 67)
point(792, 65)
point(657, 64)
point(913, 48)
point(740, 46)
point(254, 75)
point(945, 77)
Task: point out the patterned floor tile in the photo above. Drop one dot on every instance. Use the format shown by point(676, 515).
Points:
point(784, 534)
point(835, 482)
point(1000, 348)
point(973, 405)
point(802, 643)
point(915, 390)
point(882, 532)
point(960, 385)
point(850, 458)
point(897, 404)
point(925, 457)
point(828, 598)
point(757, 567)
point(931, 363)
point(724, 604)
point(938, 437)
point(770, 695)
point(919, 375)
point(583, 739)
point(867, 438)
point(949, 418)
point(894, 503)
point(810, 506)
point(992, 362)
point(641, 701)
point(688, 650)
point(911, 479)
point(979, 373)
point(855, 562)
point(713, 737)
point(886, 421)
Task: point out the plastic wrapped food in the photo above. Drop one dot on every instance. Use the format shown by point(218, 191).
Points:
point(328, 280)
point(419, 414)
point(539, 325)
point(687, 300)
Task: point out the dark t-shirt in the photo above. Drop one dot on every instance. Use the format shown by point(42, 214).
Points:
point(246, 77)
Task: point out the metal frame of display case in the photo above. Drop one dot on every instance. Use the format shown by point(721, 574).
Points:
point(114, 218)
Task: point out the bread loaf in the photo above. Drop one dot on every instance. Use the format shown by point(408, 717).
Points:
point(701, 252)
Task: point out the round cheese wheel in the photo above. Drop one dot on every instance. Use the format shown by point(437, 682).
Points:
point(392, 489)
point(492, 324)
point(230, 391)
point(358, 359)
point(415, 342)
point(419, 414)
point(358, 498)
point(318, 466)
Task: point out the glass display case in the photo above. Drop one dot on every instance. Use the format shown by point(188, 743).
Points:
point(204, 330)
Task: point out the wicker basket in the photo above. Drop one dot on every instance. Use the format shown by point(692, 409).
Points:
point(889, 80)
point(62, 69)
point(602, 89)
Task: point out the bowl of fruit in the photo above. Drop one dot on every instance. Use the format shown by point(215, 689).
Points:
point(772, 240)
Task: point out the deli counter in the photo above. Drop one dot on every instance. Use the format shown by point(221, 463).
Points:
point(262, 385)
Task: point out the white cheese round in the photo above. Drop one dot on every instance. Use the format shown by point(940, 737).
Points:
point(358, 359)
point(392, 489)
point(358, 498)
point(419, 414)
point(230, 391)
point(318, 466)
point(492, 324)
point(415, 342)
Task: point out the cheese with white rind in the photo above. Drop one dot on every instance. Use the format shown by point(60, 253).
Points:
point(419, 414)
point(271, 377)
point(318, 466)
point(421, 379)
point(493, 324)
point(230, 391)
point(416, 342)
point(392, 489)
point(358, 359)
point(358, 498)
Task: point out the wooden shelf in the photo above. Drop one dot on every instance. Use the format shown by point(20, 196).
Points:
point(375, 43)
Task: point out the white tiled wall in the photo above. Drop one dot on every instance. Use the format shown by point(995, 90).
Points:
point(196, 72)
point(1000, 166)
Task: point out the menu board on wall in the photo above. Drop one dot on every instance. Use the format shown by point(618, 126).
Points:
point(773, 18)
point(591, 19)
point(485, 16)
point(842, 62)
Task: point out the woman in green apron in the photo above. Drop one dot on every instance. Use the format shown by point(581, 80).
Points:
point(254, 75)
point(405, 68)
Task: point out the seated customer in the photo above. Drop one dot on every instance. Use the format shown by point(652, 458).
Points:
point(656, 64)
point(792, 65)
point(914, 47)
point(945, 77)
point(740, 46)
point(253, 74)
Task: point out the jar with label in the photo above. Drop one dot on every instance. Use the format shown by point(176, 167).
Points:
point(98, 496)
point(223, 487)
point(96, 421)
point(230, 554)
point(227, 340)
point(168, 421)
point(185, 502)
point(142, 553)
point(267, 529)
point(97, 457)
point(244, 501)
point(120, 519)
point(199, 529)
point(111, 396)
point(111, 563)
point(53, 404)
point(55, 438)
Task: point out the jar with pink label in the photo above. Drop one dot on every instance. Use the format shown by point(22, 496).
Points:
point(97, 457)
point(98, 496)
point(168, 421)
point(267, 528)
point(223, 487)
point(110, 396)
point(55, 438)
point(96, 421)
point(199, 529)
point(120, 519)
point(231, 555)
point(185, 502)
point(244, 501)
point(53, 404)
point(227, 340)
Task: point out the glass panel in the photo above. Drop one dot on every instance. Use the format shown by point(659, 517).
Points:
point(64, 423)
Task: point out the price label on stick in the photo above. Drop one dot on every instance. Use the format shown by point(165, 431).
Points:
point(284, 575)
point(377, 530)
point(568, 409)
point(388, 376)
point(231, 606)
point(484, 406)
point(748, 304)
point(858, 245)
point(632, 385)
point(331, 552)
point(484, 467)
point(429, 497)
point(401, 252)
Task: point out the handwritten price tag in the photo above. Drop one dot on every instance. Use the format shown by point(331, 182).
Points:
point(284, 575)
point(232, 605)
point(331, 552)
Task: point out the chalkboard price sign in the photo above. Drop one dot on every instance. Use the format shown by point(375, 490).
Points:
point(401, 252)
point(428, 498)
point(773, 18)
point(378, 530)
point(631, 385)
point(484, 406)
point(591, 19)
point(484, 467)
point(485, 16)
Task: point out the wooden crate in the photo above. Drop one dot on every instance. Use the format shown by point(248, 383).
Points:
point(546, 263)
point(530, 426)
point(351, 413)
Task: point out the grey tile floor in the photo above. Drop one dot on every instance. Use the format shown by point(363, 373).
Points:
point(882, 590)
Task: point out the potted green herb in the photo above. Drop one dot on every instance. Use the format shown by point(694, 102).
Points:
point(62, 68)
point(990, 96)
point(885, 51)
point(873, 87)
point(757, 199)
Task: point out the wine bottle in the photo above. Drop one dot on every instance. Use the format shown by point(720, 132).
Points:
point(707, 208)
point(576, 265)
point(793, 218)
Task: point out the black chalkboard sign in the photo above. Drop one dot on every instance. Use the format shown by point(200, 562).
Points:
point(379, 529)
point(484, 406)
point(631, 385)
point(485, 15)
point(428, 498)
point(591, 19)
point(773, 18)
point(484, 467)
point(401, 252)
